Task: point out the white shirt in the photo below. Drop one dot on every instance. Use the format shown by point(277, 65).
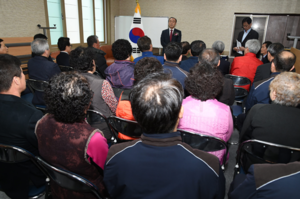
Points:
point(245, 34)
point(170, 31)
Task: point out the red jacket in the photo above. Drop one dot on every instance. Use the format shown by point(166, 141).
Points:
point(245, 66)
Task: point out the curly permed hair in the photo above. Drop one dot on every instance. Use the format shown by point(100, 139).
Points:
point(68, 96)
point(204, 81)
point(81, 59)
point(121, 49)
point(146, 66)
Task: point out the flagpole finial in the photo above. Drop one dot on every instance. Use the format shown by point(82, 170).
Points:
point(137, 1)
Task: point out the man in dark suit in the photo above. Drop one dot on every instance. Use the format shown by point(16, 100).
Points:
point(264, 51)
point(170, 34)
point(264, 71)
point(40, 68)
point(224, 65)
point(65, 48)
point(18, 119)
point(245, 35)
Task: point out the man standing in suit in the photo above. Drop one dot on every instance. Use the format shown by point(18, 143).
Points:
point(65, 48)
point(18, 119)
point(264, 51)
point(246, 34)
point(170, 34)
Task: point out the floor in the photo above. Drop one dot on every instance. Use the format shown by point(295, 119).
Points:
point(228, 171)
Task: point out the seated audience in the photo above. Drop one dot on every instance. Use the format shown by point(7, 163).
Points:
point(104, 99)
point(196, 48)
point(212, 57)
point(41, 36)
point(65, 140)
point(94, 45)
point(65, 48)
point(224, 65)
point(268, 181)
point(120, 73)
point(186, 50)
point(264, 71)
point(259, 92)
point(3, 48)
point(159, 164)
point(173, 57)
point(145, 45)
point(18, 119)
point(277, 122)
point(246, 65)
point(264, 51)
point(202, 112)
point(40, 68)
point(144, 67)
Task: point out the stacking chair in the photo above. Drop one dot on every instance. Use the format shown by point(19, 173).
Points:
point(65, 68)
point(238, 80)
point(68, 180)
point(13, 155)
point(98, 119)
point(40, 86)
point(257, 151)
point(126, 127)
point(205, 143)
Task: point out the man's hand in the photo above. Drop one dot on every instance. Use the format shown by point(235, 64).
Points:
point(242, 48)
point(236, 49)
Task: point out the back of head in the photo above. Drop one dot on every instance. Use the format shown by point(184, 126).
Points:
point(81, 59)
point(40, 36)
point(275, 48)
point(253, 45)
point(284, 61)
point(247, 19)
point(121, 49)
point(146, 66)
point(144, 43)
point(68, 96)
point(173, 51)
point(286, 85)
point(219, 46)
point(1, 40)
point(185, 47)
point(197, 47)
point(268, 43)
point(91, 40)
point(156, 102)
point(39, 46)
point(63, 42)
point(204, 81)
point(9, 68)
point(210, 56)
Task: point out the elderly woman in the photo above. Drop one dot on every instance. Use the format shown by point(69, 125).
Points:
point(277, 122)
point(65, 140)
point(202, 112)
point(104, 100)
point(224, 65)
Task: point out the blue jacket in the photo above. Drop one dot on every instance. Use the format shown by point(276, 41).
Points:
point(269, 181)
point(259, 92)
point(177, 73)
point(162, 166)
point(149, 54)
point(189, 63)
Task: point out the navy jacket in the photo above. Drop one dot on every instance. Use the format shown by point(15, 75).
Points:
point(63, 59)
point(149, 54)
point(269, 181)
point(162, 166)
point(177, 73)
point(189, 63)
point(224, 66)
point(40, 68)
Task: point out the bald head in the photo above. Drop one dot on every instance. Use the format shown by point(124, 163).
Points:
point(210, 56)
point(283, 61)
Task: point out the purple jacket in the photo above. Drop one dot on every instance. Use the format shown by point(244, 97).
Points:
point(120, 74)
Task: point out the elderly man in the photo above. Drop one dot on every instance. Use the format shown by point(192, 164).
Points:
point(160, 164)
point(246, 65)
point(145, 45)
point(40, 68)
point(196, 48)
point(170, 34)
point(3, 48)
point(224, 65)
point(94, 44)
point(264, 51)
point(264, 71)
point(18, 119)
point(212, 57)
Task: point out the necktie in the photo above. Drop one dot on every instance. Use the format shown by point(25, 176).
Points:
point(171, 35)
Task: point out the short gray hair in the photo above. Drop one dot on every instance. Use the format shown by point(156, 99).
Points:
point(39, 46)
point(287, 88)
point(253, 45)
point(219, 46)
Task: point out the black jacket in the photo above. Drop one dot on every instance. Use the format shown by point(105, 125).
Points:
point(263, 72)
point(165, 37)
point(63, 59)
point(100, 61)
